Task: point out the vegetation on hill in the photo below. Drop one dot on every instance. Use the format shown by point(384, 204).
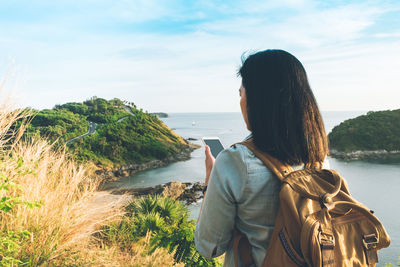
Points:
point(124, 134)
point(374, 131)
point(137, 139)
point(98, 110)
point(59, 124)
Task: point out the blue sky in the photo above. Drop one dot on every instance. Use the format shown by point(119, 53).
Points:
point(182, 56)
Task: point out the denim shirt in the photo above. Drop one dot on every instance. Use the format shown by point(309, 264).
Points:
point(241, 192)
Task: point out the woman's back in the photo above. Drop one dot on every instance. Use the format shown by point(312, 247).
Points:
point(247, 194)
point(244, 191)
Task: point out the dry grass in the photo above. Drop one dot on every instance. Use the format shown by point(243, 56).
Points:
point(136, 256)
point(113, 256)
point(63, 189)
point(61, 228)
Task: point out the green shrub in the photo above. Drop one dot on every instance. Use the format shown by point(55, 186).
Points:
point(11, 241)
point(168, 223)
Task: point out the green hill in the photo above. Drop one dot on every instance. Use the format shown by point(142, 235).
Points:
point(124, 134)
point(374, 131)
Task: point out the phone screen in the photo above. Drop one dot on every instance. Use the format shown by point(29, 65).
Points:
point(215, 146)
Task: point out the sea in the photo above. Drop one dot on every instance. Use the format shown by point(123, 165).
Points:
point(374, 183)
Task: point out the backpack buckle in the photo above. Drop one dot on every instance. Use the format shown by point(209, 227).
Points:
point(370, 244)
point(327, 241)
point(370, 241)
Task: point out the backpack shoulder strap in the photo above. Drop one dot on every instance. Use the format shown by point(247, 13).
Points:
point(241, 245)
point(280, 169)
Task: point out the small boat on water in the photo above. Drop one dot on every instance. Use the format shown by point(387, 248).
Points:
point(193, 123)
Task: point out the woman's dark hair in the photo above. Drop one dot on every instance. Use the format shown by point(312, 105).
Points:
point(283, 115)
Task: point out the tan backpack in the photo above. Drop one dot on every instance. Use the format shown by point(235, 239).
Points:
point(318, 222)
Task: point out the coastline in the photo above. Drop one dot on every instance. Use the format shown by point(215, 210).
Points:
point(107, 176)
point(365, 154)
point(185, 192)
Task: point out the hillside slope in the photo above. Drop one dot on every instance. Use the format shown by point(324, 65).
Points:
point(119, 133)
point(374, 132)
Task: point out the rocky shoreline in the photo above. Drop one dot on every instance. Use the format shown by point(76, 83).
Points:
point(186, 192)
point(106, 176)
point(365, 154)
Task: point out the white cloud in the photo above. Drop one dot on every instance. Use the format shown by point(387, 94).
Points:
point(311, 27)
point(196, 71)
point(387, 35)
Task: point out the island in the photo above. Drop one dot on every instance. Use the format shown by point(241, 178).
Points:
point(115, 135)
point(160, 114)
point(374, 135)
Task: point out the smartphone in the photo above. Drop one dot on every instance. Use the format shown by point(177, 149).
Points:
point(214, 143)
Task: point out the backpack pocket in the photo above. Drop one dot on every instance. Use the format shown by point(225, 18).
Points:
point(352, 229)
point(355, 241)
point(309, 242)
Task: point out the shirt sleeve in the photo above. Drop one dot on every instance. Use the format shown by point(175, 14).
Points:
point(214, 229)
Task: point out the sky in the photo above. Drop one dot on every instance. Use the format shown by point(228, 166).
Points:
point(183, 56)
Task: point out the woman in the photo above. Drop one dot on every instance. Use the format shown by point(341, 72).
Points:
point(280, 110)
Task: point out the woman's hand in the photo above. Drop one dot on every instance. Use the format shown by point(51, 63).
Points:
point(209, 163)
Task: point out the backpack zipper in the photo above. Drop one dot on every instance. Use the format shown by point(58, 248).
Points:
point(288, 250)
